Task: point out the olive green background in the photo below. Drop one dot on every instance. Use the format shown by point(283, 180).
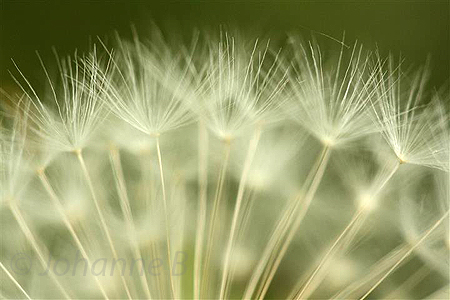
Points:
point(412, 28)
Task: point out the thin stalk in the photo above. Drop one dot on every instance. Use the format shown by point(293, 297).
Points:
point(276, 241)
point(14, 281)
point(212, 221)
point(29, 235)
point(161, 173)
point(357, 286)
point(126, 210)
point(179, 190)
point(246, 212)
point(100, 214)
point(242, 183)
point(203, 192)
point(46, 183)
point(276, 238)
point(268, 251)
point(417, 277)
point(147, 183)
point(413, 247)
point(242, 228)
point(317, 178)
point(155, 253)
point(331, 252)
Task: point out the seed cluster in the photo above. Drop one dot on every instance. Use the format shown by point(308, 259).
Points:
point(225, 169)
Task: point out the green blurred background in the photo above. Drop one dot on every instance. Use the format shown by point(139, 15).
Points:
point(412, 28)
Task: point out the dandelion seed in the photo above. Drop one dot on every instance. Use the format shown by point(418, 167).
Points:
point(66, 118)
point(328, 98)
point(240, 88)
point(415, 131)
point(146, 91)
point(117, 163)
point(414, 218)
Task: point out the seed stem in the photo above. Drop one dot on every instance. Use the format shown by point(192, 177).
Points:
point(148, 184)
point(213, 218)
point(242, 183)
point(161, 173)
point(100, 214)
point(56, 202)
point(30, 237)
point(201, 218)
point(316, 175)
point(304, 292)
point(126, 210)
point(14, 280)
point(413, 247)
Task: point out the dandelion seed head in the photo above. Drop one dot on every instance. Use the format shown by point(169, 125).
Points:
point(15, 170)
point(240, 87)
point(147, 184)
point(417, 132)
point(147, 91)
point(65, 118)
point(330, 100)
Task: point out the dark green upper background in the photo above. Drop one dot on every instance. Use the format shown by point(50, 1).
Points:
point(412, 28)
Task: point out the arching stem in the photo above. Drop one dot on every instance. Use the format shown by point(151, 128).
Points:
point(413, 247)
point(304, 292)
point(202, 196)
point(14, 281)
point(242, 183)
point(213, 218)
point(126, 211)
point(316, 177)
point(166, 216)
point(56, 202)
point(34, 244)
point(100, 214)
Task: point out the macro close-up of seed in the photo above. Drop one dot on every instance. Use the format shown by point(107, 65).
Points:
point(211, 159)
